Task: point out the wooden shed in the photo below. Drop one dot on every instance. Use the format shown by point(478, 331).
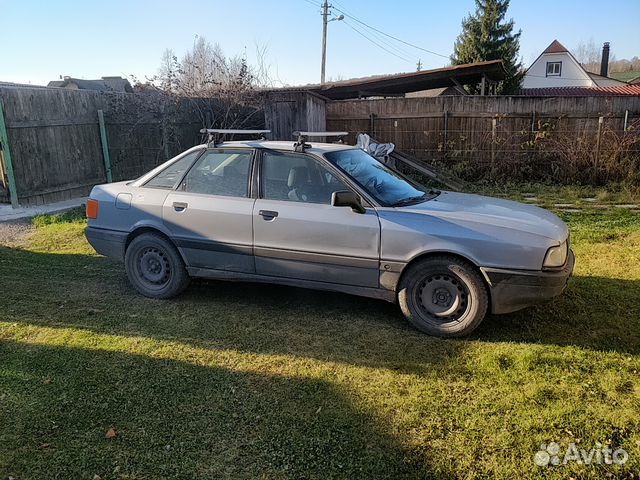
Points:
point(289, 110)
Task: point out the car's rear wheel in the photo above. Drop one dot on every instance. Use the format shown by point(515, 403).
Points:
point(443, 296)
point(154, 267)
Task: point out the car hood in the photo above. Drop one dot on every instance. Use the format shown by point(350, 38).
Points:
point(465, 207)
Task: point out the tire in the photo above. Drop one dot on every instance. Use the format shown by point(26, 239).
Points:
point(154, 267)
point(443, 296)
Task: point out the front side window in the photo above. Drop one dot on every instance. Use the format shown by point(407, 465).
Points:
point(297, 178)
point(170, 176)
point(382, 183)
point(554, 69)
point(220, 172)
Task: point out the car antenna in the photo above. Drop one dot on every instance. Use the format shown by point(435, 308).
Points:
point(214, 135)
point(301, 145)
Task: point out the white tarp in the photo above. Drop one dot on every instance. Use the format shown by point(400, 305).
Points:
point(381, 151)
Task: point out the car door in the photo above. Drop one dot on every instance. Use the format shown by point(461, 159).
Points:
point(298, 234)
point(210, 213)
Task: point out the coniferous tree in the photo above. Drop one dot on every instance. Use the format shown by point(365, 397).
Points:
point(487, 36)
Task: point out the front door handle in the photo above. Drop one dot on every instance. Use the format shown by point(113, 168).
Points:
point(268, 214)
point(180, 206)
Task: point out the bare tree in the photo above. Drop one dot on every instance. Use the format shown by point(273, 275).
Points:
point(168, 71)
point(588, 54)
point(624, 65)
point(223, 91)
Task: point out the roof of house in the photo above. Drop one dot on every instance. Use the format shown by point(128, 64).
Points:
point(555, 47)
point(14, 84)
point(625, 76)
point(401, 83)
point(104, 84)
point(601, 81)
point(624, 90)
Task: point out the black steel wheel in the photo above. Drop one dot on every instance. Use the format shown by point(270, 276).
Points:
point(443, 296)
point(154, 267)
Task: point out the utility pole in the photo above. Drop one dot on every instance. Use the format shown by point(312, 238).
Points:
point(419, 65)
point(325, 14)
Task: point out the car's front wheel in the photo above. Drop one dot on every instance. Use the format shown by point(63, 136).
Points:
point(154, 267)
point(443, 296)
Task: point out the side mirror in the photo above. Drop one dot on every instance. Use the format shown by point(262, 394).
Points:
point(346, 198)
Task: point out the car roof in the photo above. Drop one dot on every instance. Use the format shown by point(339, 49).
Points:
point(288, 146)
point(316, 148)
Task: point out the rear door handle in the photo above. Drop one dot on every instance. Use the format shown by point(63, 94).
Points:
point(180, 206)
point(268, 214)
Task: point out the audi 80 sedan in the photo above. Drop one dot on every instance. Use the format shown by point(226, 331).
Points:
point(329, 216)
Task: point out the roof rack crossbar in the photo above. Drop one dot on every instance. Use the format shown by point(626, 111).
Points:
point(301, 144)
point(321, 134)
point(215, 134)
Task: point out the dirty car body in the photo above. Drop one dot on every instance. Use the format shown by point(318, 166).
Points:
point(333, 218)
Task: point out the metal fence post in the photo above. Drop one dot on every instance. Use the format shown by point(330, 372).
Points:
point(626, 120)
point(494, 125)
point(600, 122)
point(105, 147)
point(6, 156)
point(372, 125)
point(532, 136)
point(446, 132)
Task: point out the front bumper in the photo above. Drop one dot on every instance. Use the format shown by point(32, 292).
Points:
point(513, 290)
point(109, 243)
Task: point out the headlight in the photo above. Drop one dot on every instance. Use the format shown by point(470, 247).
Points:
point(556, 256)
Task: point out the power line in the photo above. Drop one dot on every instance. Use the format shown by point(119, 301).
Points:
point(376, 43)
point(387, 35)
point(394, 46)
point(401, 51)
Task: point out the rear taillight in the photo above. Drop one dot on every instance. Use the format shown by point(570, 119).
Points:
point(92, 208)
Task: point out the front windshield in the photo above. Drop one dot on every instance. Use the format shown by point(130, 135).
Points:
point(382, 183)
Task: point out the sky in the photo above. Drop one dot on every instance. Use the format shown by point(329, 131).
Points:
point(42, 40)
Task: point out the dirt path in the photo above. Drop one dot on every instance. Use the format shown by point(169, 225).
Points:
point(15, 233)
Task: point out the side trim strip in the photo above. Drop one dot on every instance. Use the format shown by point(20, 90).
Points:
point(213, 246)
point(313, 257)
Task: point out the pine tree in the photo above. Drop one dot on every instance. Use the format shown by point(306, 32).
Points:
point(486, 36)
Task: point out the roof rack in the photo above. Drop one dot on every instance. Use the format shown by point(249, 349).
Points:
point(301, 144)
point(214, 135)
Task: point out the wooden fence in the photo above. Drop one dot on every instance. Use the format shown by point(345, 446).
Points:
point(54, 143)
point(566, 139)
point(52, 147)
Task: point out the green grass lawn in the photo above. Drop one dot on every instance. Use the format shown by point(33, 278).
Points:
point(253, 381)
point(576, 195)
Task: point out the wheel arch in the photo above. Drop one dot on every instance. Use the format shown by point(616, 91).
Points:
point(444, 253)
point(142, 229)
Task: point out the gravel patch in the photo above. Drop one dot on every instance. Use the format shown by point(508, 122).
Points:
point(15, 233)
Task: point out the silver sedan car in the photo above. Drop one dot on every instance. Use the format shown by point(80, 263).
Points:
point(331, 217)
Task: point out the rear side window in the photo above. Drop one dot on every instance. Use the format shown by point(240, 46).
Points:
point(170, 176)
point(220, 172)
